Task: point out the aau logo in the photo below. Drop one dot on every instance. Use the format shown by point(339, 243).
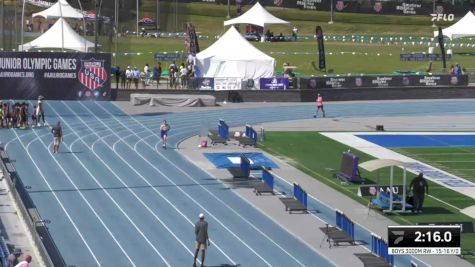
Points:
point(92, 73)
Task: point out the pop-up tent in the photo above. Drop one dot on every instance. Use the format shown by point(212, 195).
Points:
point(52, 39)
point(60, 9)
point(232, 56)
point(465, 27)
point(257, 15)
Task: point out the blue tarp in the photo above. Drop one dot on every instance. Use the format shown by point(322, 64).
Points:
point(395, 140)
point(225, 160)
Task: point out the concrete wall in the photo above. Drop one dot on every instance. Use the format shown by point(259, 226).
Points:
point(310, 95)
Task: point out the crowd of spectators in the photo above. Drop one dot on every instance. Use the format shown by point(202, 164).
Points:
point(179, 76)
point(17, 114)
point(457, 70)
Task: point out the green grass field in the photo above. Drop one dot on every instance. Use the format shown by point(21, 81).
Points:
point(459, 161)
point(313, 153)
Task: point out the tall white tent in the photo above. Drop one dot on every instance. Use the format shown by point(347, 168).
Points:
point(232, 56)
point(52, 39)
point(257, 15)
point(60, 9)
point(465, 27)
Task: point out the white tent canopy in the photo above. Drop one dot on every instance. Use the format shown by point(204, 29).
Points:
point(465, 27)
point(52, 39)
point(233, 56)
point(257, 15)
point(60, 9)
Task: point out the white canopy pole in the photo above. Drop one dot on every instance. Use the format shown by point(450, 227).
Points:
point(62, 25)
point(404, 190)
point(22, 22)
point(137, 22)
point(84, 26)
point(391, 188)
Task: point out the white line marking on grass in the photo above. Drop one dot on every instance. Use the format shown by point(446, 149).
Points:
point(113, 200)
point(204, 188)
point(59, 202)
point(153, 188)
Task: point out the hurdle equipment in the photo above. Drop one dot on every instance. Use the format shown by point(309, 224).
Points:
point(267, 184)
point(379, 256)
point(349, 172)
point(296, 203)
point(344, 232)
point(249, 138)
point(221, 136)
point(244, 169)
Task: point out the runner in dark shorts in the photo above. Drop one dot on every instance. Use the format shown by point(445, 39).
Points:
point(164, 128)
point(58, 137)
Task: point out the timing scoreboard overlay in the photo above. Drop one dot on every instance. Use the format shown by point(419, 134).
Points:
point(424, 240)
point(55, 75)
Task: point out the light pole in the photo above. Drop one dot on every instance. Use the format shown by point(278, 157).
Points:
point(176, 15)
point(22, 18)
point(229, 10)
point(137, 10)
point(331, 13)
point(157, 14)
point(433, 12)
point(83, 25)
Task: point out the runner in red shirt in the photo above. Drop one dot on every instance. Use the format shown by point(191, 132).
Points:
point(319, 106)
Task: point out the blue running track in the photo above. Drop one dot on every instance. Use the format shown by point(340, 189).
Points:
point(116, 198)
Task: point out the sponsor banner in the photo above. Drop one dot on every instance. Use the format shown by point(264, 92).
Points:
point(227, 83)
point(321, 49)
point(167, 56)
point(416, 7)
point(205, 83)
point(55, 75)
point(383, 81)
point(372, 190)
point(423, 57)
point(274, 83)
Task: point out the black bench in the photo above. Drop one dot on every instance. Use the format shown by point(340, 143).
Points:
point(336, 236)
point(292, 204)
point(371, 260)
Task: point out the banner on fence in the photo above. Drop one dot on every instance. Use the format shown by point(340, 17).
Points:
point(227, 83)
point(55, 75)
point(167, 56)
point(384, 81)
point(274, 83)
point(423, 57)
point(372, 190)
point(204, 83)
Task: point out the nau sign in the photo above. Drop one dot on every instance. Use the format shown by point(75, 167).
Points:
point(55, 75)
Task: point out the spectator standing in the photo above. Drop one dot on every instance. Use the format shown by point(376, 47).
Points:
point(40, 114)
point(25, 263)
point(136, 76)
point(294, 34)
point(123, 79)
point(202, 238)
point(164, 128)
point(13, 259)
point(183, 75)
point(117, 77)
point(129, 75)
point(419, 187)
point(319, 105)
point(157, 72)
point(58, 137)
point(146, 68)
point(2, 114)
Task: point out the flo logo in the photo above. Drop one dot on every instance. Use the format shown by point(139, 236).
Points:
point(92, 73)
point(443, 17)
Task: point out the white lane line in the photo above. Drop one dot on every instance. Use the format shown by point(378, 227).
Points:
point(86, 201)
point(160, 194)
point(130, 190)
point(113, 200)
point(59, 202)
point(218, 199)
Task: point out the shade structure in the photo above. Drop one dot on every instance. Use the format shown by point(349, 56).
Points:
point(59, 9)
point(465, 27)
point(257, 15)
point(52, 39)
point(233, 56)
